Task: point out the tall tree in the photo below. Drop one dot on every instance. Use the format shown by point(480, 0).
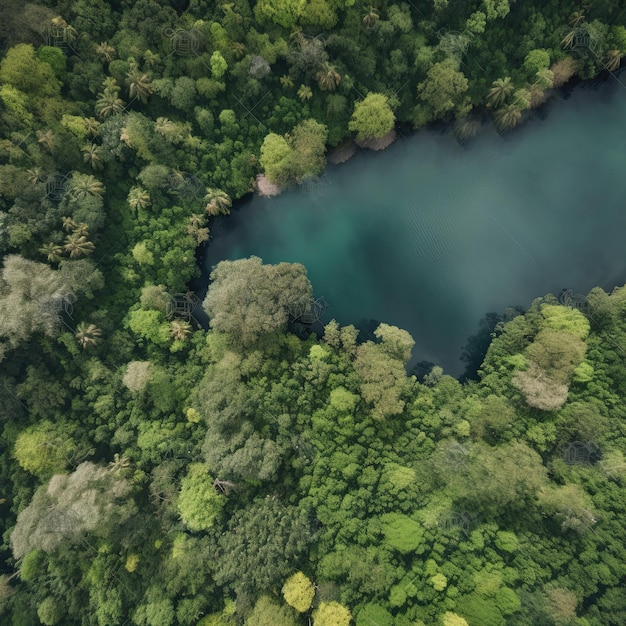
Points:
point(91, 499)
point(248, 299)
point(500, 91)
point(372, 117)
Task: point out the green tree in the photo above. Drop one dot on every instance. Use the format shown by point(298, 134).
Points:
point(282, 12)
point(452, 619)
point(199, 503)
point(218, 65)
point(44, 448)
point(443, 91)
point(262, 544)
point(401, 532)
point(248, 299)
point(299, 592)
point(331, 614)
point(374, 614)
point(276, 158)
point(372, 117)
point(297, 156)
point(267, 612)
point(381, 371)
point(535, 61)
point(23, 70)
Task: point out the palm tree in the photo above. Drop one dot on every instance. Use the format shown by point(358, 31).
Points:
point(507, 117)
point(466, 128)
point(78, 246)
point(87, 335)
point(82, 230)
point(52, 252)
point(119, 463)
point(138, 198)
point(328, 78)
point(69, 224)
point(109, 102)
point(238, 49)
point(613, 60)
point(46, 139)
point(305, 93)
point(370, 19)
point(91, 155)
point(286, 81)
point(106, 51)
point(36, 175)
point(180, 330)
point(84, 185)
point(576, 18)
point(217, 202)
point(69, 32)
point(139, 85)
point(196, 228)
point(522, 99)
point(537, 95)
point(92, 125)
point(568, 40)
point(500, 90)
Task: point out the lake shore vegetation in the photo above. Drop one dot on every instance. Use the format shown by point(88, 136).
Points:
point(158, 473)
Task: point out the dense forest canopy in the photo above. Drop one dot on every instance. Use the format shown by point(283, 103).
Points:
point(157, 473)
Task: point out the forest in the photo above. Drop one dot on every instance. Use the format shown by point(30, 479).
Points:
point(155, 472)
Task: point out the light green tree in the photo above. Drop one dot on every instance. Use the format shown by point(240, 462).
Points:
point(372, 117)
point(44, 448)
point(331, 614)
point(218, 65)
point(199, 503)
point(298, 592)
point(282, 12)
point(452, 619)
point(267, 612)
point(276, 158)
point(23, 70)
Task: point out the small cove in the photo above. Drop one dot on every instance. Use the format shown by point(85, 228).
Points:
point(430, 235)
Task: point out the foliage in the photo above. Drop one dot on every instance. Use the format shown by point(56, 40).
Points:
point(223, 461)
point(372, 117)
point(198, 502)
point(298, 592)
point(248, 299)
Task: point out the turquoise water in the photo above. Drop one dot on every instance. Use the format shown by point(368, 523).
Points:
point(429, 235)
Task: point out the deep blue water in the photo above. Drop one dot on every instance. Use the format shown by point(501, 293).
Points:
point(430, 235)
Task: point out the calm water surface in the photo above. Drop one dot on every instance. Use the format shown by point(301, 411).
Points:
point(429, 235)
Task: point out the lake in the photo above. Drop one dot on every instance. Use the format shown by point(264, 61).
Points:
point(429, 235)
